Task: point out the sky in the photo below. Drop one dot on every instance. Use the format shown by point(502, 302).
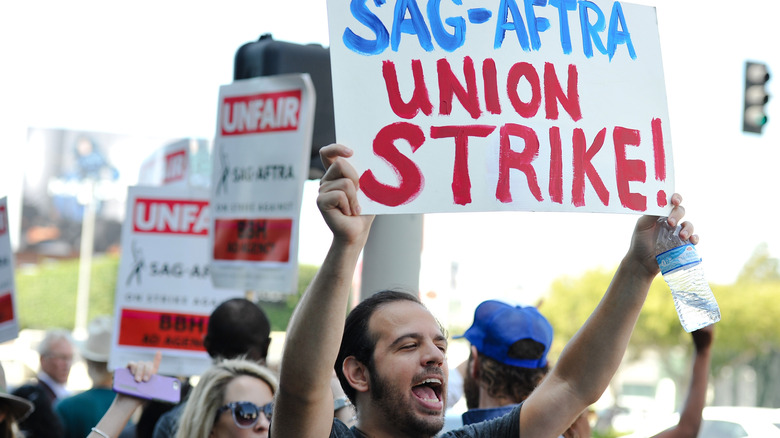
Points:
point(154, 69)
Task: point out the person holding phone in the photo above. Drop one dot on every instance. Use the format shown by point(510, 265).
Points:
point(122, 408)
point(233, 398)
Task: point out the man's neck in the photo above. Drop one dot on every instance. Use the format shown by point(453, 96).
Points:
point(58, 388)
point(368, 432)
point(105, 382)
point(487, 401)
point(375, 424)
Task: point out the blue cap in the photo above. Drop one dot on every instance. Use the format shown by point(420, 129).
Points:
point(498, 325)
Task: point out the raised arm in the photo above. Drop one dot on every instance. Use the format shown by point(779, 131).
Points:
point(122, 408)
point(304, 402)
point(590, 359)
point(690, 418)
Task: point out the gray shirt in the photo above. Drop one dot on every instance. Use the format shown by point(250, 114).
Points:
point(507, 426)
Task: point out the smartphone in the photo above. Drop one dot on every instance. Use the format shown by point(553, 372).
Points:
point(158, 388)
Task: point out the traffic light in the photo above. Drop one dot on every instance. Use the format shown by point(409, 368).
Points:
point(756, 96)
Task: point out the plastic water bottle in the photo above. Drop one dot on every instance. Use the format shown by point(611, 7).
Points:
point(681, 267)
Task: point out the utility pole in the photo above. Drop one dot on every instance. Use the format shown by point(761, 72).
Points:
point(391, 257)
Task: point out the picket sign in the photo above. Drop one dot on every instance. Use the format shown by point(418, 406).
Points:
point(9, 324)
point(260, 163)
point(164, 293)
point(479, 105)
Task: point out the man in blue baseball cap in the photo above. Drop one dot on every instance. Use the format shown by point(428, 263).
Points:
point(508, 358)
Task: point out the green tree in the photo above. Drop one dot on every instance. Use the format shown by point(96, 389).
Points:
point(746, 335)
point(760, 267)
point(46, 293)
point(571, 300)
point(279, 312)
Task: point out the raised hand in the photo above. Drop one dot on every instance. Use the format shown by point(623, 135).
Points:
point(643, 241)
point(337, 199)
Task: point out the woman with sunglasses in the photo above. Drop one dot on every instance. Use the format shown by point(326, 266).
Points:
point(233, 398)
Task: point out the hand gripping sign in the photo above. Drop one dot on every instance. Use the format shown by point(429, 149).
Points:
point(260, 162)
point(476, 105)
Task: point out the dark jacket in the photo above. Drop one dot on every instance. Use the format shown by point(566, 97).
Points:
point(43, 422)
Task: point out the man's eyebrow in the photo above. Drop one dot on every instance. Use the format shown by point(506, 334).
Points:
point(417, 337)
point(404, 337)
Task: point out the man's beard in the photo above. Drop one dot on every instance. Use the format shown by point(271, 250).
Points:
point(389, 399)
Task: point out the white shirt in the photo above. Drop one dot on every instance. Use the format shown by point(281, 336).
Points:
point(60, 391)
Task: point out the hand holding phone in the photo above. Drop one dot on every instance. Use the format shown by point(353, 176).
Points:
point(158, 388)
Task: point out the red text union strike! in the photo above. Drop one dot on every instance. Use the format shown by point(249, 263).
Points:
point(478, 98)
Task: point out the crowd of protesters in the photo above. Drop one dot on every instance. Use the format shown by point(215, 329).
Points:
point(381, 372)
point(235, 394)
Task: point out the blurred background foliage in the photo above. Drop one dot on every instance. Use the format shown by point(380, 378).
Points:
point(279, 312)
point(747, 334)
point(46, 293)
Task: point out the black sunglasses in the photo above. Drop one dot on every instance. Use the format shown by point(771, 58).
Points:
point(246, 414)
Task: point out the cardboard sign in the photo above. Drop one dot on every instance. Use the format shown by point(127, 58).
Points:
point(260, 162)
point(9, 325)
point(164, 292)
point(502, 105)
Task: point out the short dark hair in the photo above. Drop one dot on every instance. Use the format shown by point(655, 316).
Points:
point(357, 341)
point(238, 327)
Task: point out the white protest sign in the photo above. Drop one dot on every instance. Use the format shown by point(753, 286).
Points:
point(164, 295)
point(260, 162)
point(482, 105)
point(9, 324)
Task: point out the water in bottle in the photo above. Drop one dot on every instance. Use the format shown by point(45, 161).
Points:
point(681, 267)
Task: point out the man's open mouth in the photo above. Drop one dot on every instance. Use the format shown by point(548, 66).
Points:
point(429, 390)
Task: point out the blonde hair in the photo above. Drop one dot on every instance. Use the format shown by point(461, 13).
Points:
point(206, 398)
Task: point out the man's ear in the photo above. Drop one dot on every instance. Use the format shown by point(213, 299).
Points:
point(356, 374)
point(473, 368)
